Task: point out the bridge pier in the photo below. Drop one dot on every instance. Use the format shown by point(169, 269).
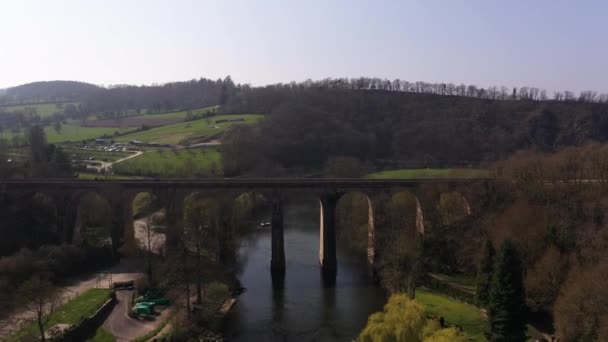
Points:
point(66, 214)
point(125, 233)
point(327, 243)
point(277, 261)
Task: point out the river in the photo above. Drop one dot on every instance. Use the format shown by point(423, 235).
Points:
point(305, 305)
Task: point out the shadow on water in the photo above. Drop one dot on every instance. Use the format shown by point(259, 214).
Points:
point(304, 303)
point(278, 300)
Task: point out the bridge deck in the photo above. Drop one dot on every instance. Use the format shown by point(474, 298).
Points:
point(224, 183)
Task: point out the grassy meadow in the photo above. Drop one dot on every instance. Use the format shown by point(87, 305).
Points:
point(454, 312)
point(44, 110)
point(182, 114)
point(430, 173)
point(194, 162)
point(70, 132)
point(73, 131)
point(178, 133)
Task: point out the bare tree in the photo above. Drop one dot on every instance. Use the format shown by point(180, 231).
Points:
point(40, 298)
point(558, 96)
point(201, 230)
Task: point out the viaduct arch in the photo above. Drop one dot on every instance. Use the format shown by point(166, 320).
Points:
point(172, 193)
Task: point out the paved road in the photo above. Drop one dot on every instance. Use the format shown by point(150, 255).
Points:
point(125, 328)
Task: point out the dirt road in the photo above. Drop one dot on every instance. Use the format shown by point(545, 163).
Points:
point(108, 165)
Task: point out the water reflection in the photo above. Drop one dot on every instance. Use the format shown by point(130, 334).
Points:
point(304, 303)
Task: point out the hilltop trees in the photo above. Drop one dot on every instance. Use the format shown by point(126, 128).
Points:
point(117, 100)
point(507, 306)
point(401, 125)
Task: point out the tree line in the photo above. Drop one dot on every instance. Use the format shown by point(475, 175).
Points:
point(524, 93)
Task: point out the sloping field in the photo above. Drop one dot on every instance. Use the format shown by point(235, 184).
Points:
point(150, 120)
point(455, 312)
point(182, 114)
point(134, 121)
point(72, 132)
point(44, 110)
point(191, 130)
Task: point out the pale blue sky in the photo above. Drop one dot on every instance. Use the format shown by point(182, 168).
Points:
point(550, 44)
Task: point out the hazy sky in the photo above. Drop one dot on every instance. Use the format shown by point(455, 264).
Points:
point(550, 44)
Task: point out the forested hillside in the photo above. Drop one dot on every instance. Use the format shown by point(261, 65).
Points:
point(311, 122)
point(382, 123)
point(48, 91)
point(117, 100)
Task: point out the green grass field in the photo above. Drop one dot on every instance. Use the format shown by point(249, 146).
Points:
point(182, 114)
point(199, 162)
point(71, 132)
point(454, 312)
point(44, 110)
point(430, 173)
point(73, 312)
point(177, 133)
point(179, 115)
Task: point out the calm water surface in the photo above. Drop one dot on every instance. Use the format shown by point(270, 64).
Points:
point(305, 305)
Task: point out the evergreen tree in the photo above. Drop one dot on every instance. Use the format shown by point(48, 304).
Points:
point(484, 274)
point(507, 308)
point(60, 165)
point(38, 151)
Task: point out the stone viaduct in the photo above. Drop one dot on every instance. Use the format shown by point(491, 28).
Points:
point(120, 194)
